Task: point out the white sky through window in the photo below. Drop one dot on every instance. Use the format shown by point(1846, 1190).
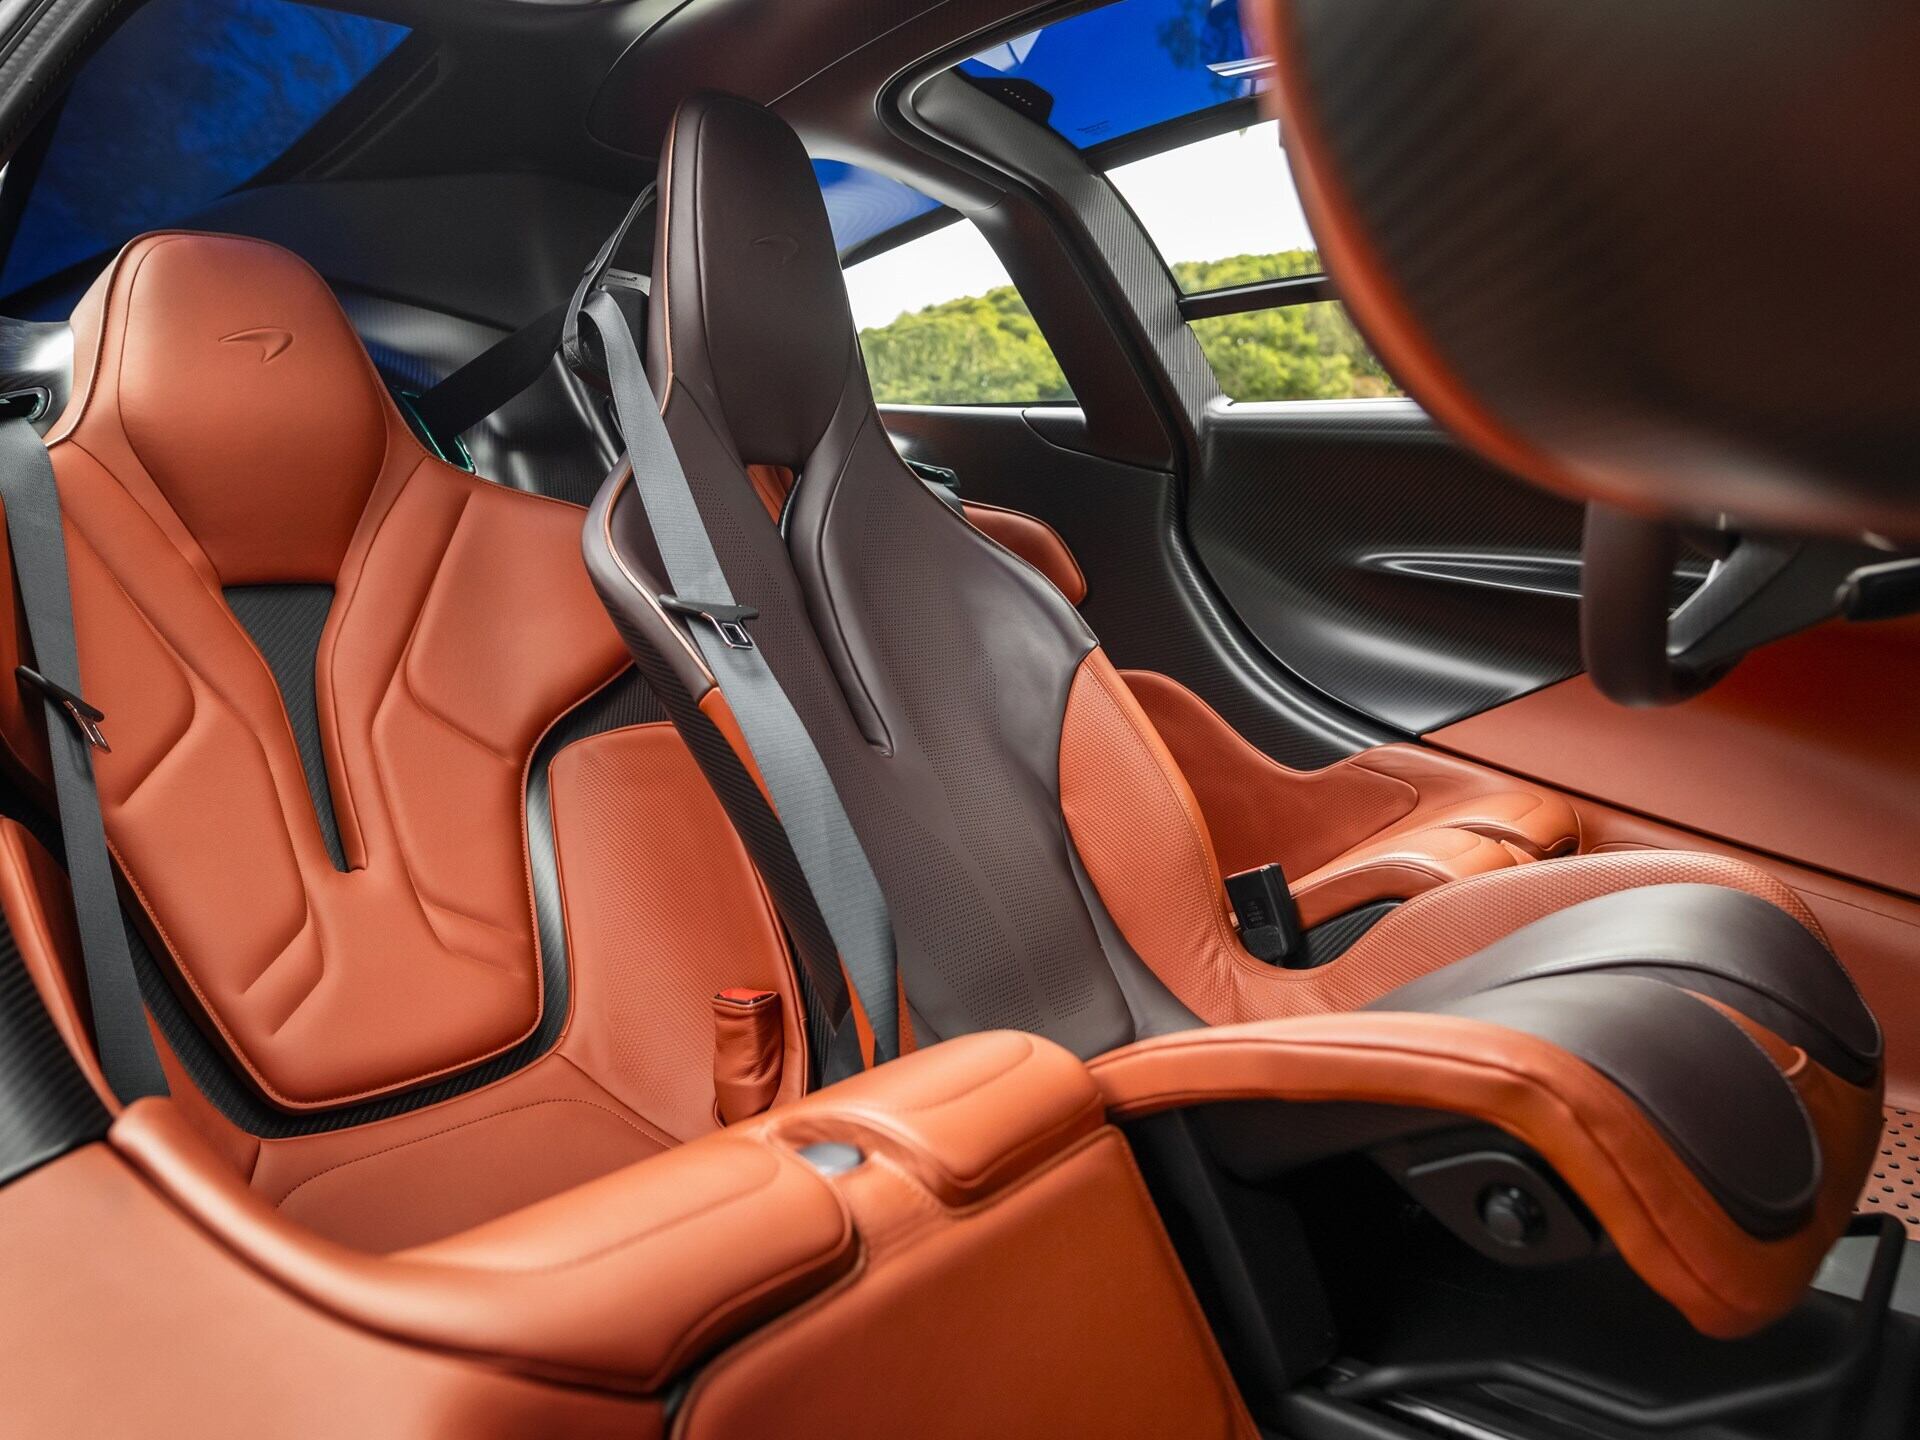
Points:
point(1229, 195)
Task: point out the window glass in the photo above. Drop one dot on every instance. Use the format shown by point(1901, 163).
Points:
point(1297, 352)
point(1222, 210)
point(187, 100)
point(1105, 74)
point(941, 324)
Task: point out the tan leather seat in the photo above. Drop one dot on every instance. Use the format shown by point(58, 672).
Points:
point(1669, 1031)
point(423, 1172)
point(405, 837)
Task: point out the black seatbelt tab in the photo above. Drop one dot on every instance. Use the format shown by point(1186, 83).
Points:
point(1263, 908)
point(84, 718)
point(728, 621)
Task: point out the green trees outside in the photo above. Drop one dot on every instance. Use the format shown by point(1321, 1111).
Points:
point(1301, 352)
point(986, 349)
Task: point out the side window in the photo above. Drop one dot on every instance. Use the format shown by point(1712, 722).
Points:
point(1224, 214)
point(942, 324)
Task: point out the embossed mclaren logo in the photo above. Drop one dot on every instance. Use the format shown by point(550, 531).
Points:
point(785, 246)
point(273, 343)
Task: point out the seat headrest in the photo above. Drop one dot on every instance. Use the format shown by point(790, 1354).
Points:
point(225, 370)
point(750, 312)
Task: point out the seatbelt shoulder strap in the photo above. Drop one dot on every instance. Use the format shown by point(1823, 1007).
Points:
point(824, 843)
point(74, 731)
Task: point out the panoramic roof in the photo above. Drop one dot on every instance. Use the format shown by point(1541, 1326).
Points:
point(862, 203)
point(189, 100)
point(1094, 78)
point(1105, 74)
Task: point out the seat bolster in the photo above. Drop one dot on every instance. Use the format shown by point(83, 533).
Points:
point(618, 1283)
point(1600, 1139)
point(1730, 945)
point(1034, 541)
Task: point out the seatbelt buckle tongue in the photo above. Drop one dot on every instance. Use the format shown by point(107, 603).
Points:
point(728, 621)
point(1266, 916)
point(84, 717)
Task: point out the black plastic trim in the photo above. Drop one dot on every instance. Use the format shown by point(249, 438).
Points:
point(1260, 295)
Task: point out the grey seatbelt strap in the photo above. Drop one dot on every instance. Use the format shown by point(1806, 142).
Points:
point(824, 843)
point(127, 1055)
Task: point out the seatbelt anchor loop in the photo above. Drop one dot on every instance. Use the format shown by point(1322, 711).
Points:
point(84, 717)
point(728, 621)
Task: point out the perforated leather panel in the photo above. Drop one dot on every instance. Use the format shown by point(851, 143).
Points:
point(1893, 1187)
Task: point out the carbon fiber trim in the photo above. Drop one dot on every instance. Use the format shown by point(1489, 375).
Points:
point(285, 622)
point(1331, 939)
point(626, 701)
point(46, 1105)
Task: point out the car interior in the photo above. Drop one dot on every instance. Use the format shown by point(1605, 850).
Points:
point(953, 718)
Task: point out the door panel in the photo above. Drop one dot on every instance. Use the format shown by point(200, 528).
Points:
point(1146, 598)
point(1383, 564)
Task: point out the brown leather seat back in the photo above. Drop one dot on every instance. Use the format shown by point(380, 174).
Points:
point(248, 516)
point(930, 665)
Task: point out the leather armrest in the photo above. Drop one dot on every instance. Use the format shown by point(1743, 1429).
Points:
point(626, 1280)
point(1538, 822)
point(964, 1118)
